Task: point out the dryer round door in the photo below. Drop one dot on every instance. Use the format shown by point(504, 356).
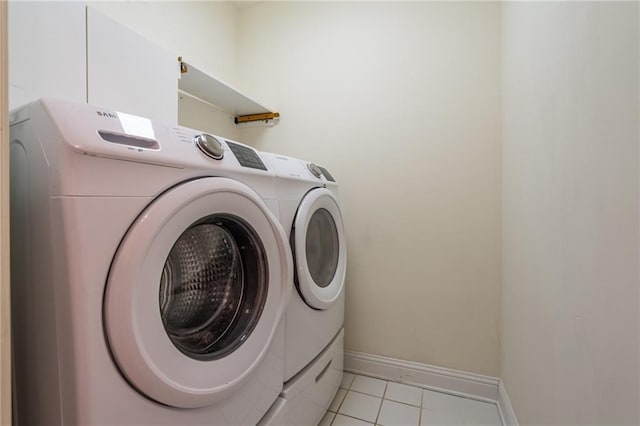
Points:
point(196, 291)
point(320, 250)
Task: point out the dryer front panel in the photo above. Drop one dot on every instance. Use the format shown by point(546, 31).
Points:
point(319, 247)
point(196, 291)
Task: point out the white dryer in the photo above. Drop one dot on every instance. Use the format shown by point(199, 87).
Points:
point(310, 214)
point(149, 274)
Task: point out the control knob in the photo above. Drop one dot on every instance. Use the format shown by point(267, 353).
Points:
point(210, 146)
point(315, 170)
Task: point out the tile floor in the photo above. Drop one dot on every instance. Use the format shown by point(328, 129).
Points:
point(363, 400)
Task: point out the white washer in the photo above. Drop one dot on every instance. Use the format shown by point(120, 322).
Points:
point(310, 214)
point(149, 277)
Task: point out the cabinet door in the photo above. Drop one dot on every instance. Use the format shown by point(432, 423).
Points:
point(47, 51)
point(129, 73)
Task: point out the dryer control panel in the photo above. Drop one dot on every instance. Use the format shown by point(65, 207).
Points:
point(326, 174)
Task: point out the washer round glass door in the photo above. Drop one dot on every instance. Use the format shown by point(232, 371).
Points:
point(196, 291)
point(320, 251)
point(213, 287)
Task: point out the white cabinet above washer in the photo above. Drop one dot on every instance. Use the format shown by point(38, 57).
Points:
point(70, 51)
point(129, 73)
point(77, 52)
point(47, 51)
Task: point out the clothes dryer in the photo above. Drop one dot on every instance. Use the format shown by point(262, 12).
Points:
point(310, 213)
point(149, 274)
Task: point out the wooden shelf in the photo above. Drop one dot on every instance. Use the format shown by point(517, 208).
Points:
point(218, 93)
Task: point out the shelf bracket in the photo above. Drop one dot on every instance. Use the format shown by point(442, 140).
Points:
point(183, 65)
point(256, 117)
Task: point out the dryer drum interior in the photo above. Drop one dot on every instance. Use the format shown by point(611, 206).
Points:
point(322, 247)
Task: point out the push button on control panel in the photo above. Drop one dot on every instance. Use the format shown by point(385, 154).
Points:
point(210, 146)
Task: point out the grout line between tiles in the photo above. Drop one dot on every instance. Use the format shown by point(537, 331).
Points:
point(346, 392)
point(352, 417)
point(404, 403)
point(421, 407)
point(381, 402)
point(369, 394)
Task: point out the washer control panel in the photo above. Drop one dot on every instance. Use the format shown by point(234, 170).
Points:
point(246, 156)
point(215, 147)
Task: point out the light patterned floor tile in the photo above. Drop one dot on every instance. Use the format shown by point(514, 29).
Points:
point(480, 413)
point(442, 402)
point(396, 414)
point(403, 393)
point(368, 385)
point(361, 406)
point(436, 418)
point(341, 420)
point(363, 400)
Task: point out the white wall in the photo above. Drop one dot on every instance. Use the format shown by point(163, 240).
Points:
point(570, 209)
point(401, 102)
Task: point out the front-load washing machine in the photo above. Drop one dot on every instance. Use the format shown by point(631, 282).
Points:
point(310, 213)
point(149, 272)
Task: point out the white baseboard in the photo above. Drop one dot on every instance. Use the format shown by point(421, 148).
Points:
point(507, 415)
point(454, 382)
